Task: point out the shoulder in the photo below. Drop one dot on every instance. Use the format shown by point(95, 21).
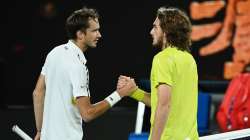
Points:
point(56, 50)
point(164, 56)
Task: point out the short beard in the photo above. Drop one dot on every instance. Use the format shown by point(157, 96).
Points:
point(159, 43)
point(89, 45)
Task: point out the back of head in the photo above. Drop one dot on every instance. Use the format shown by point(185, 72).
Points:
point(79, 20)
point(177, 27)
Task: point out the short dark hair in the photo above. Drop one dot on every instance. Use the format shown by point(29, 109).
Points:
point(177, 27)
point(79, 20)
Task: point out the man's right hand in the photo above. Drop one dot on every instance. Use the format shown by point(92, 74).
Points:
point(125, 86)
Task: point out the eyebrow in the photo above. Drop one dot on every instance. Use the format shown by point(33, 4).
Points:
point(155, 25)
point(96, 29)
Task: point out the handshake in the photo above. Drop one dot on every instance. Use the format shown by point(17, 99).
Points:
point(126, 86)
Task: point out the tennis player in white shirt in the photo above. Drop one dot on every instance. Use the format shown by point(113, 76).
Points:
point(61, 96)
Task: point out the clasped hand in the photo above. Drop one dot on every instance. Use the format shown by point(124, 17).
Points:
point(125, 85)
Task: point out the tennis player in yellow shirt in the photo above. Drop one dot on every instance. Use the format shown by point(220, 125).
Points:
point(174, 81)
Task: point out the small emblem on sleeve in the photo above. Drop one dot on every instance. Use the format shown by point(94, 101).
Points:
point(73, 101)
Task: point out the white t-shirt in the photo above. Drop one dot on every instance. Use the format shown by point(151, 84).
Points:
point(66, 78)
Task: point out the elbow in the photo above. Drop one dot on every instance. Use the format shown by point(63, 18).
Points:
point(164, 107)
point(87, 116)
point(87, 111)
point(34, 95)
point(38, 95)
point(86, 120)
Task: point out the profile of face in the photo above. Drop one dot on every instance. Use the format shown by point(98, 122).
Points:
point(92, 34)
point(157, 34)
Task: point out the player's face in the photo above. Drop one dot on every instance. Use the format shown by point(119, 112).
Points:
point(92, 34)
point(157, 34)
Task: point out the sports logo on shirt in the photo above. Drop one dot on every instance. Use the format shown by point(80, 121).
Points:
point(73, 101)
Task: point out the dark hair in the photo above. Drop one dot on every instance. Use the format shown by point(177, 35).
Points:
point(79, 20)
point(177, 27)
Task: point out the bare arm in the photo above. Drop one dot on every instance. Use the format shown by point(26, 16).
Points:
point(91, 111)
point(162, 111)
point(38, 101)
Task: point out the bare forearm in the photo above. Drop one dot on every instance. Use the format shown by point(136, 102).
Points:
point(147, 99)
point(159, 122)
point(96, 110)
point(91, 111)
point(38, 100)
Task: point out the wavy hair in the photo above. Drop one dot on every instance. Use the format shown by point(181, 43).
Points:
point(177, 27)
point(79, 20)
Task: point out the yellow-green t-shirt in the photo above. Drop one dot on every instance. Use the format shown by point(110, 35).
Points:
point(178, 69)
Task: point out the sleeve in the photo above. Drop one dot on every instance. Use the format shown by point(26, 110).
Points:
point(79, 80)
point(45, 66)
point(164, 68)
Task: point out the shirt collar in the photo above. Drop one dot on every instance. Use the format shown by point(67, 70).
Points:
point(77, 51)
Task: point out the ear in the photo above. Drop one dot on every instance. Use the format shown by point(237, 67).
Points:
point(164, 38)
point(164, 34)
point(80, 35)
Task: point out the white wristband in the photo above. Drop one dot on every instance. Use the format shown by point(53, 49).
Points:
point(113, 98)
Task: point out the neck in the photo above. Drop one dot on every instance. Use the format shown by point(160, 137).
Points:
point(164, 46)
point(80, 45)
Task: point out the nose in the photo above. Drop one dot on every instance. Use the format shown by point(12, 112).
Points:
point(151, 32)
point(99, 35)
